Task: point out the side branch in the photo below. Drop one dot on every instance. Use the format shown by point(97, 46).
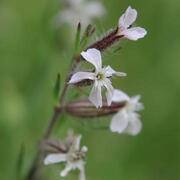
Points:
point(33, 172)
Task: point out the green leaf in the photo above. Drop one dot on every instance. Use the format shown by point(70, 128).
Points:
point(78, 36)
point(117, 49)
point(57, 87)
point(20, 162)
point(86, 36)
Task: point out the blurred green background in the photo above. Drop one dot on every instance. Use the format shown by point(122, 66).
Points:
point(31, 55)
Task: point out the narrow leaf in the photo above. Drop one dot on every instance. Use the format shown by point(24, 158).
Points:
point(87, 34)
point(57, 86)
point(20, 162)
point(77, 39)
point(117, 49)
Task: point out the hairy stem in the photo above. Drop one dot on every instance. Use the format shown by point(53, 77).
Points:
point(33, 173)
point(106, 41)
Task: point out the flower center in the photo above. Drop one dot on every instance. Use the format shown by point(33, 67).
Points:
point(75, 156)
point(100, 76)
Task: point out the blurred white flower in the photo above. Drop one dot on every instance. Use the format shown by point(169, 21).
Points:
point(74, 158)
point(76, 11)
point(101, 77)
point(127, 120)
point(124, 25)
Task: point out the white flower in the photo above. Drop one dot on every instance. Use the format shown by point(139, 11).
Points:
point(127, 120)
point(74, 158)
point(124, 25)
point(76, 11)
point(100, 77)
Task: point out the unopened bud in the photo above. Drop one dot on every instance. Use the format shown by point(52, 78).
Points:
point(85, 109)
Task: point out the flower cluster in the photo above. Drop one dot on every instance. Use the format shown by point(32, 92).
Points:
point(101, 77)
point(125, 23)
point(125, 109)
point(69, 153)
point(76, 11)
point(126, 120)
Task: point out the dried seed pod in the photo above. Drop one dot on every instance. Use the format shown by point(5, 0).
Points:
point(85, 109)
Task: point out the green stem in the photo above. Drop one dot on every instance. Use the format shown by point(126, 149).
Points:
point(33, 172)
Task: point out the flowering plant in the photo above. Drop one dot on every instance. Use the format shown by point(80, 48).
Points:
point(123, 108)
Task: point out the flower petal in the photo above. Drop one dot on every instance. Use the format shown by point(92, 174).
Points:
point(120, 74)
point(79, 76)
point(110, 72)
point(65, 16)
point(134, 33)
point(74, 3)
point(77, 142)
point(82, 173)
point(84, 149)
point(119, 122)
point(94, 9)
point(109, 92)
point(119, 96)
point(55, 158)
point(95, 95)
point(73, 166)
point(134, 101)
point(127, 18)
point(134, 126)
point(93, 56)
point(66, 170)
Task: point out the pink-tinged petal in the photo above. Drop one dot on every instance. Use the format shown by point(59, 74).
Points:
point(119, 122)
point(79, 76)
point(127, 18)
point(119, 96)
point(134, 126)
point(95, 96)
point(93, 56)
point(134, 33)
point(55, 158)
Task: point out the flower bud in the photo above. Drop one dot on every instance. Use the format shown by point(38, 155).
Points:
point(85, 109)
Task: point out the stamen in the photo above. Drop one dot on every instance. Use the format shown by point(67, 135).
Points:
point(100, 76)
